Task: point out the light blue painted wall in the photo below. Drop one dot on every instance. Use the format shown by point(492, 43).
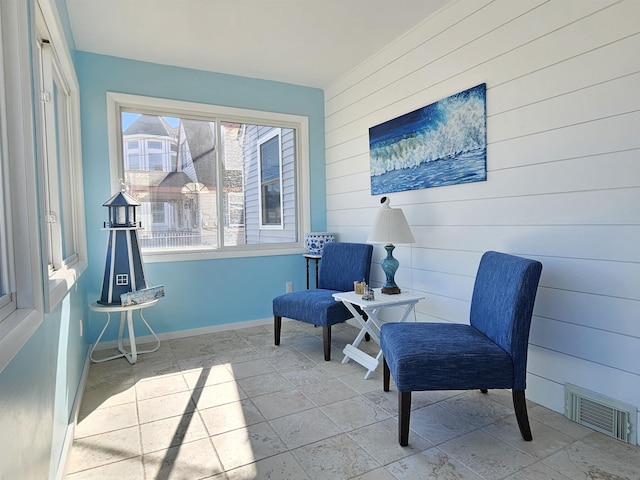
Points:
point(33, 415)
point(63, 14)
point(38, 387)
point(198, 293)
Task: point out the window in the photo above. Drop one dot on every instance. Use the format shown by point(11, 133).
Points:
point(235, 209)
point(58, 147)
point(58, 174)
point(158, 216)
point(270, 160)
point(211, 180)
point(20, 272)
point(7, 295)
point(133, 156)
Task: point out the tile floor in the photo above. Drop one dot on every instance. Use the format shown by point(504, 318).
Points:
point(233, 406)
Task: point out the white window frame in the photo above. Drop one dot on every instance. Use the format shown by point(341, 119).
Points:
point(7, 284)
point(276, 132)
point(119, 101)
point(62, 272)
point(51, 165)
point(23, 314)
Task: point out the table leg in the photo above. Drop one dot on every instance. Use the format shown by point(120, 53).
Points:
point(377, 362)
point(355, 343)
point(370, 326)
point(120, 346)
point(317, 262)
point(123, 317)
point(307, 273)
point(367, 321)
point(152, 333)
point(133, 358)
point(98, 341)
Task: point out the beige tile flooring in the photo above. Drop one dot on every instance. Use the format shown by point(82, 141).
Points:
point(231, 405)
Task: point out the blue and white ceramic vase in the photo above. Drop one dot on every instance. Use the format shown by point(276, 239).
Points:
point(315, 241)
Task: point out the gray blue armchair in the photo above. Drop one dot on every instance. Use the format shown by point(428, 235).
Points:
point(490, 353)
point(342, 263)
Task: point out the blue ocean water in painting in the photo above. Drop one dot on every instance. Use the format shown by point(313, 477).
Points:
point(441, 144)
point(466, 167)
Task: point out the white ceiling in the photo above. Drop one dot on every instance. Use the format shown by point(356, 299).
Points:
point(305, 42)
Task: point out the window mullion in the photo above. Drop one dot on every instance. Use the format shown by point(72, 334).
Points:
point(219, 182)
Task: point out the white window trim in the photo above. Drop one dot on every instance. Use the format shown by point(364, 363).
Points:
point(116, 101)
point(276, 132)
point(63, 279)
point(15, 70)
point(50, 183)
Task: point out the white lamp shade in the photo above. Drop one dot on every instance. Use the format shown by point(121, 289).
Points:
point(390, 226)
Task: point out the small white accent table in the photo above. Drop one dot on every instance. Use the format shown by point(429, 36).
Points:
point(373, 323)
point(126, 313)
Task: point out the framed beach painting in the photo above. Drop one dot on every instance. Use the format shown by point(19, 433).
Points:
point(444, 143)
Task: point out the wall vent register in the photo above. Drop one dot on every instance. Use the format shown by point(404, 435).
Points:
point(599, 412)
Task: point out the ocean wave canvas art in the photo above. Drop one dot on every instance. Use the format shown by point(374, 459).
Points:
point(444, 143)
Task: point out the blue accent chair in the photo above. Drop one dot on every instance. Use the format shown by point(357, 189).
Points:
point(491, 352)
point(342, 263)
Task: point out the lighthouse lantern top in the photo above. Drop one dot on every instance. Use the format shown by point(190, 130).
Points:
point(122, 211)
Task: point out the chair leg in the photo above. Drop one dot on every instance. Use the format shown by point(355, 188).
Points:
point(520, 406)
point(386, 375)
point(326, 340)
point(404, 412)
point(277, 328)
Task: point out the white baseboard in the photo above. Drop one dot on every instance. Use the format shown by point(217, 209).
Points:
point(60, 473)
point(188, 333)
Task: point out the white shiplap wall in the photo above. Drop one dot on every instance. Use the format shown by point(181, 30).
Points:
point(563, 174)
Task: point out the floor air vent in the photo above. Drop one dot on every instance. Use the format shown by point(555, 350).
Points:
point(604, 414)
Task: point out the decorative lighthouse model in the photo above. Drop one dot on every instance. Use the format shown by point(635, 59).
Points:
point(124, 271)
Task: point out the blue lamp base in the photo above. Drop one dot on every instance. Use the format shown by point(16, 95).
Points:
point(390, 265)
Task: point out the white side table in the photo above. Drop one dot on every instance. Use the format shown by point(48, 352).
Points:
point(372, 324)
point(126, 313)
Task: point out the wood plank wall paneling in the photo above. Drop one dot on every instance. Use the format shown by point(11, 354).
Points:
point(563, 186)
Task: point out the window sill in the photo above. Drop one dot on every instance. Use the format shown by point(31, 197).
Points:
point(62, 281)
point(15, 331)
point(177, 256)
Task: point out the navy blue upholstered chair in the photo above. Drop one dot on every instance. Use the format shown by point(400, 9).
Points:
point(491, 352)
point(342, 263)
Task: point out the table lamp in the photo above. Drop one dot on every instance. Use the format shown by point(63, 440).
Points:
point(390, 227)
